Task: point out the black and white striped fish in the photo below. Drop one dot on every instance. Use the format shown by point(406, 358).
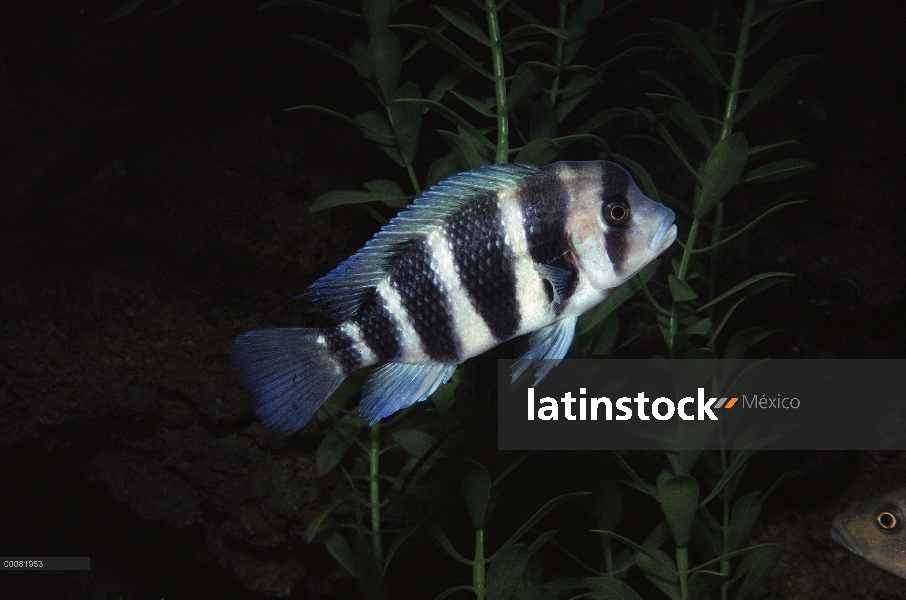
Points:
point(480, 258)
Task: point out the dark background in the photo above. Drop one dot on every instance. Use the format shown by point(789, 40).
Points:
point(153, 204)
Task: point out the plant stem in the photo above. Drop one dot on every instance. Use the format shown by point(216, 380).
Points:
point(374, 499)
point(681, 275)
point(503, 126)
point(725, 562)
point(682, 570)
point(561, 23)
point(742, 45)
point(478, 573)
point(736, 79)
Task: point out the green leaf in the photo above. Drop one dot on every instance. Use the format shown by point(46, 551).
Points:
point(528, 30)
point(776, 24)
point(368, 571)
point(678, 496)
point(608, 588)
point(453, 117)
point(331, 450)
point(577, 26)
point(780, 169)
point(539, 514)
point(608, 504)
point(322, 5)
point(476, 488)
point(327, 48)
point(442, 168)
point(702, 327)
point(466, 154)
point(530, 77)
point(623, 55)
point(315, 525)
point(607, 337)
point(475, 104)
point(693, 45)
point(407, 120)
point(743, 285)
point(745, 339)
point(448, 81)
point(604, 117)
point(537, 152)
point(660, 570)
point(742, 518)
point(359, 58)
point(339, 198)
point(445, 395)
point(770, 81)
point(543, 120)
point(721, 172)
point(685, 116)
point(462, 21)
point(377, 13)
point(506, 571)
point(375, 127)
point(680, 290)
point(414, 441)
point(575, 91)
point(386, 60)
point(446, 44)
point(339, 548)
point(755, 566)
point(682, 461)
point(444, 541)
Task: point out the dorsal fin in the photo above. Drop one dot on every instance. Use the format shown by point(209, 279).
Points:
point(340, 292)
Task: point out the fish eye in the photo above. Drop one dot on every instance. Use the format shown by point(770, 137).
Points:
point(886, 520)
point(616, 212)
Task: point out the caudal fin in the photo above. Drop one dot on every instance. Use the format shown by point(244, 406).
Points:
point(289, 373)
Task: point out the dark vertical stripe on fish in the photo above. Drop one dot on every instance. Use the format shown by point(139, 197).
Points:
point(424, 300)
point(545, 208)
point(343, 349)
point(614, 180)
point(484, 263)
point(379, 332)
point(615, 183)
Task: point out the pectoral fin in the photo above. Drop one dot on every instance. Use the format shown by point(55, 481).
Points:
point(560, 279)
point(547, 347)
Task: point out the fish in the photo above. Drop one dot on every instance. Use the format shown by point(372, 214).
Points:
point(480, 258)
point(876, 531)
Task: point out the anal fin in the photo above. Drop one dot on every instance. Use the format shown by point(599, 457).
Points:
point(394, 386)
point(547, 347)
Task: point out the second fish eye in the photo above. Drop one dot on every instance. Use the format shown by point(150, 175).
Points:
point(886, 520)
point(616, 212)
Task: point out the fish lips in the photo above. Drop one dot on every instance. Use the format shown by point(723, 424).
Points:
point(665, 236)
point(840, 535)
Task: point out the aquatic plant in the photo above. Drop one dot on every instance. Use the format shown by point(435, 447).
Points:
point(533, 86)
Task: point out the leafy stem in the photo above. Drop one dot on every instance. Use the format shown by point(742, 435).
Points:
point(503, 128)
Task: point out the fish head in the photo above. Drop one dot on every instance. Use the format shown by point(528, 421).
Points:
point(876, 531)
point(616, 229)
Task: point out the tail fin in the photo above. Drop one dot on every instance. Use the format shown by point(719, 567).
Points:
point(289, 373)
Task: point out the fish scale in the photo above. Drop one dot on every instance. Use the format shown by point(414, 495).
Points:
point(480, 258)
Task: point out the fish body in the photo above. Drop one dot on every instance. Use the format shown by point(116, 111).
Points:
point(480, 258)
point(876, 531)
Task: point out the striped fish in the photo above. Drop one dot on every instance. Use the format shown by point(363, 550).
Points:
point(480, 258)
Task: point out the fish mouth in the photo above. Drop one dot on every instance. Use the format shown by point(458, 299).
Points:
point(665, 236)
point(840, 535)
